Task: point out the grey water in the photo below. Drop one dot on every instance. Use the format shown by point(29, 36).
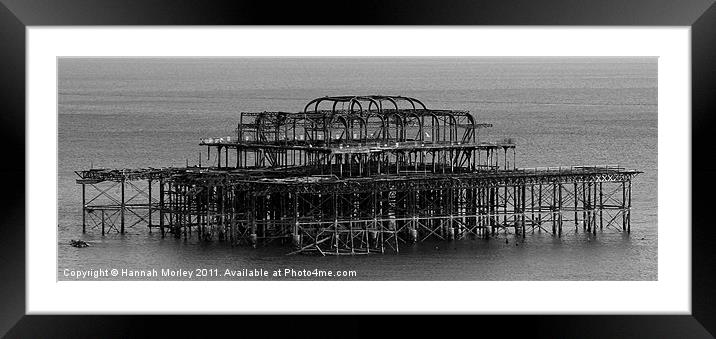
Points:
point(151, 112)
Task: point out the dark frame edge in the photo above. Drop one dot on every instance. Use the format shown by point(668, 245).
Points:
point(12, 131)
point(703, 106)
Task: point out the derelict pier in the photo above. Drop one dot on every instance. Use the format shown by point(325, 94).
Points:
point(355, 175)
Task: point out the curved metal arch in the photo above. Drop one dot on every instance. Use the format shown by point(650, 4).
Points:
point(333, 120)
point(355, 101)
point(352, 101)
point(316, 101)
point(399, 126)
point(376, 100)
point(372, 102)
point(363, 128)
point(395, 104)
point(420, 124)
point(413, 101)
point(382, 124)
point(410, 100)
point(435, 124)
point(471, 121)
point(381, 98)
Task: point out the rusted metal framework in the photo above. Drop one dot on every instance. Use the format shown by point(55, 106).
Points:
point(360, 174)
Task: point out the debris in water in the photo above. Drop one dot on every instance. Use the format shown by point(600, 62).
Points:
point(78, 243)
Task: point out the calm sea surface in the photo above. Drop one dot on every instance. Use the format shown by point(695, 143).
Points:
point(125, 113)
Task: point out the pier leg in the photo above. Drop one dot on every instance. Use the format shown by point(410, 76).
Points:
point(187, 217)
point(122, 210)
point(102, 222)
point(504, 209)
point(532, 207)
point(624, 215)
point(523, 198)
point(554, 209)
point(296, 235)
point(413, 234)
point(539, 208)
point(629, 210)
point(84, 209)
point(515, 209)
point(584, 207)
point(253, 237)
point(149, 205)
point(587, 207)
point(492, 207)
point(222, 214)
point(593, 204)
point(161, 206)
point(601, 207)
point(576, 217)
point(560, 210)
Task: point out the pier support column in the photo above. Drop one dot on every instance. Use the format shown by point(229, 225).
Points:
point(554, 209)
point(629, 210)
point(493, 208)
point(161, 206)
point(585, 213)
point(296, 236)
point(624, 212)
point(593, 205)
point(523, 197)
point(186, 217)
point(559, 224)
point(297, 240)
point(601, 207)
point(149, 205)
point(532, 207)
point(253, 237)
point(121, 211)
point(539, 207)
point(586, 206)
point(576, 217)
point(84, 209)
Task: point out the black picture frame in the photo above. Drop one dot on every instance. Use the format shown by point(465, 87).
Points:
point(16, 15)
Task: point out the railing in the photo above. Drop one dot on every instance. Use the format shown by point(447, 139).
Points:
point(220, 140)
point(561, 169)
point(352, 143)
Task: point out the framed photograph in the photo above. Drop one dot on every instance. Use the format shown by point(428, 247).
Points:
point(474, 162)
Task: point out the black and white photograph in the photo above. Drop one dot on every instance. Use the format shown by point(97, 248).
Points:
point(540, 167)
point(357, 168)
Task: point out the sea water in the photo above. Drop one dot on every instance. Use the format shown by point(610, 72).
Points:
point(128, 113)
